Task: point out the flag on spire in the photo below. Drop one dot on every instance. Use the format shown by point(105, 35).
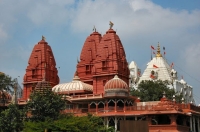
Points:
point(163, 48)
point(154, 66)
point(152, 47)
point(172, 65)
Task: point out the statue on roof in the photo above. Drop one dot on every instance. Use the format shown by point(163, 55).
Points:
point(111, 25)
point(43, 38)
point(94, 29)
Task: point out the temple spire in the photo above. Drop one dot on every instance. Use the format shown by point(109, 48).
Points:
point(158, 51)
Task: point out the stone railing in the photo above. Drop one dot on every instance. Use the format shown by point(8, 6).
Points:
point(85, 96)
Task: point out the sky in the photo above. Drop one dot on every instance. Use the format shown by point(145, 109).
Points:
point(175, 24)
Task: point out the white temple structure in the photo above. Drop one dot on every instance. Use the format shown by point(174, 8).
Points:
point(159, 69)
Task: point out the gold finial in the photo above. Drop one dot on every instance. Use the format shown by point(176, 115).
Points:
point(111, 25)
point(94, 29)
point(158, 51)
point(43, 38)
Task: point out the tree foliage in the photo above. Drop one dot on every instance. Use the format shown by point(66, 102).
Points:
point(11, 119)
point(6, 82)
point(45, 105)
point(69, 123)
point(153, 91)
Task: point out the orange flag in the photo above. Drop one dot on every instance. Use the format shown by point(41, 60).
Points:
point(155, 66)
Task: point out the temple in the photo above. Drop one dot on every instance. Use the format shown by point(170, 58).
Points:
point(41, 66)
point(102, 84)
point(159, 69)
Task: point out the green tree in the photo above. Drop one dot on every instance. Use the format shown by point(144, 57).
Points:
point(69, 123)
point(6, 82)
point(45, 105)
point(11, 119)
point(153, 91)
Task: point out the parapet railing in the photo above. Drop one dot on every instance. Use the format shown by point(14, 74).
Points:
point(178, 107)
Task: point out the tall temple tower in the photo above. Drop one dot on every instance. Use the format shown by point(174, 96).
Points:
point(41, 66)
point(87, 57)
point(101, 59)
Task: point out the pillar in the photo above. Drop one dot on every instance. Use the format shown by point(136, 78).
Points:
point(88, 107)
point(115, 106)
point(115, 123)
point(184, 121)
point(191, 123)
point(107, 106)
point(124, 106)
point(135, 118)
point(173, 119)
point(194, 129)
point(148, 119)
point(104, 107)
point(96, 107)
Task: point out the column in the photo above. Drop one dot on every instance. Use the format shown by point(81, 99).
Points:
point(106, 106)
point(194, 130)
point(184, 121)
point(191, 123)
point(96, 107)
point(88, 107)
point(115, 123)
point(124, 105)
point(148, 119)
point(115, 105)
point(135, 118)
point(173, 119)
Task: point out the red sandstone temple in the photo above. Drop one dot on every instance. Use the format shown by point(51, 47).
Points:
point(41, 66)
point(100, 86)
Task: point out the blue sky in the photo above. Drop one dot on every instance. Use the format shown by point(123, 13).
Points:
point(67, 23)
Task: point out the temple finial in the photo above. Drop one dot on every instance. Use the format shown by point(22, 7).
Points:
point(43, 38)
point(111, 25)
point(94, 29)
point(158, 51)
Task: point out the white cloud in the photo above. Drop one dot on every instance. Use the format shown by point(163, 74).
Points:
point(191, 58)
point(50, 12)
point(132, 18)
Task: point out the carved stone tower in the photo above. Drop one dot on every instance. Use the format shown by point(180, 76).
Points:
point(101, 59)
point(41, 65)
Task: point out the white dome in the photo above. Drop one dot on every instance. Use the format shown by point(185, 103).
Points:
point(75, 85)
